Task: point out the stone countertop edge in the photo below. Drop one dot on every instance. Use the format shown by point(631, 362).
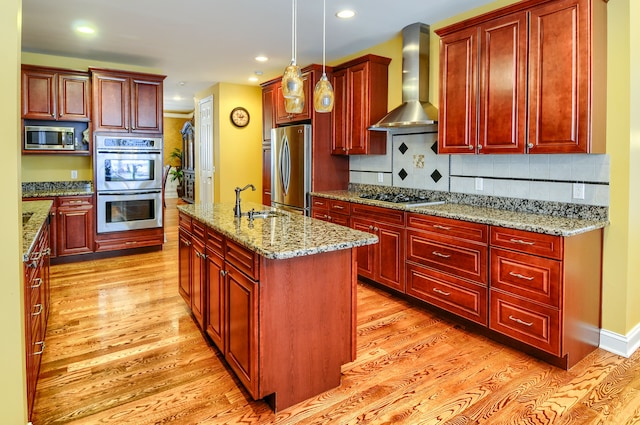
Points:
point(30, 230)
point(287, 235)
point(46, 193)
point(538, 223)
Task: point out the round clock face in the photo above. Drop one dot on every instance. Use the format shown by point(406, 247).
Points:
point(240, 117)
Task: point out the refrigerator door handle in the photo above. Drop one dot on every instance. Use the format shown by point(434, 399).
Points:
point(285, 165)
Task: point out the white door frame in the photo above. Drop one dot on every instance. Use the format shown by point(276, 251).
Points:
point(205, 165)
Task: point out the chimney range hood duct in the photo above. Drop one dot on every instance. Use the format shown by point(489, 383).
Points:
point(415, 111)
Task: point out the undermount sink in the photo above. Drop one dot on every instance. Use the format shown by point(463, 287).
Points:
point(25, 217)
point(262, 214)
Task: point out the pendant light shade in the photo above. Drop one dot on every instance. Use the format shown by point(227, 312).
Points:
point(323, 96)
point(292, 86)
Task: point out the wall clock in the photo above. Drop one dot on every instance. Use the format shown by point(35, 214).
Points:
point(239, 117)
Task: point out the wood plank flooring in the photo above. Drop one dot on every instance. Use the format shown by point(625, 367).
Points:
point(121, 348)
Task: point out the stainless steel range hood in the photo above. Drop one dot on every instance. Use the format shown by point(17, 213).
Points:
point(415, 111)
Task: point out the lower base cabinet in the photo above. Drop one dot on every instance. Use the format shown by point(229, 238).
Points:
point(258, 313)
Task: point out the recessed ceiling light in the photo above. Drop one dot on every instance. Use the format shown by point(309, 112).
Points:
point(346, 14)
point(261, 58)
point(253, 79)
point(85, 29)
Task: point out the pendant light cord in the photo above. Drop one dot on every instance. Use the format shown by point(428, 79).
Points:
point(324, 33)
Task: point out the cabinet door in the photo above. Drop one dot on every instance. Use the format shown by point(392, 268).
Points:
point(268, 116)
point(340, 118)
point(503, 77)
point(111, 102)
point(359, 108)
point(266, 174)
point(75, 226)
point(38, 95)
point(146, 106)
point(198, 268)
point(284, 117)
point(73, 97)
point(242, 325)
point(215, 299)
point(365, 254)
point(390, 256)
point(559, 77)
point(458, 92)
point(184, 265)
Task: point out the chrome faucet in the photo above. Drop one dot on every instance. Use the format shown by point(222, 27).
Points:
point(237, 212)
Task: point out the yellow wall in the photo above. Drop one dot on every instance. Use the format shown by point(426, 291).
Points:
point(38, 168)
point(13, 404)
point(237, 151)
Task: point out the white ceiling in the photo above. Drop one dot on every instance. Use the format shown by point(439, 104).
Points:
point(202, 42)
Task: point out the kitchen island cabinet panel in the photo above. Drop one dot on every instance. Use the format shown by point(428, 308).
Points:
point(215, 297)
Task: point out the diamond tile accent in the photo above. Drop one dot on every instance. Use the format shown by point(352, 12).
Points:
point(434, 147)
point(436, 176)
point(403, 174)
point(403, 148)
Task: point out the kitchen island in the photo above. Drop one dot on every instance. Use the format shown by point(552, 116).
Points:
point(275, 294)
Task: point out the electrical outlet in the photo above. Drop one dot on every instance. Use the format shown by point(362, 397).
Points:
point(479, 183)
point(578, 191)
point(380, 178)
point(74, 174)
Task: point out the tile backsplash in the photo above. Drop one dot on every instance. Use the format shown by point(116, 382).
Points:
point(411, 162)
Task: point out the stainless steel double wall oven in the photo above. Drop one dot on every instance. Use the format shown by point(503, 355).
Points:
point(128, 182)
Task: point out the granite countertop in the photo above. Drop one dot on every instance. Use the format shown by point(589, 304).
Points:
point(39, 212)
point(51, 189)
point(286, 235)
point(539, 223)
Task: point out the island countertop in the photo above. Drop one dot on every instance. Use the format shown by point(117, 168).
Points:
point(286, 235)
point(550, 224)
point(37, 212)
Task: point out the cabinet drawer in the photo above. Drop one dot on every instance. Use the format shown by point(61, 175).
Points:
point(529, 276)
point(528, 242)
point(184, 221)
point(386, 215)
point(244, 259)
point(340, 219)
point(449, 227)
point(198, 229)
point(457, 296)
point(525, 321)
point(75, 201)
point(464, 259)
point(321, 203)
point(215, 242)
point(341, 207)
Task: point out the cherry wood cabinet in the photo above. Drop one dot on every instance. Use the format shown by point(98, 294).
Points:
point(361, 94)
point(36, 308)
point(382, 262)
point(331, 210)
point(281, 114)
point(268, 123)
point(75, 225)
point(191, 261)
point(447, 264)
point(546, 291)
point(536, 65)
point(215, 319)
point(126, 102)
point(55, 94)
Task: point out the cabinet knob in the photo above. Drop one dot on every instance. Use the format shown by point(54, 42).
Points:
point(471, 147)
point(223, 272)
point(529, 145)
point(479, 147)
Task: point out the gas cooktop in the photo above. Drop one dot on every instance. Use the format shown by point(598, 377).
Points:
point(402, 198)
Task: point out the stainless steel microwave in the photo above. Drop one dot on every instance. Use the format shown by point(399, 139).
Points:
point(40, 137)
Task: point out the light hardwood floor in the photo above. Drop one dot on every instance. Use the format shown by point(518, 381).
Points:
point(121, 347)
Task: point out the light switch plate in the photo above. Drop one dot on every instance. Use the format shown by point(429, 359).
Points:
point(380, 178)
point(479, 183)
point(578, 191)
point(74, 174)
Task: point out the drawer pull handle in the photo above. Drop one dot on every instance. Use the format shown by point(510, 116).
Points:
point(521, 242)
point(437, 226)
point(441, 292)
point(40, 308)
point(38, 282)
point(37, 353)
point(519, 276)
point(441, 255)
point(522, 322)
point(338, 207)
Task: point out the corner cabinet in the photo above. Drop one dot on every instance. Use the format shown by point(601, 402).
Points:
point(361, 94)
point(268, 122)
point(536, 65)
point(126, 102)
point(55, 94)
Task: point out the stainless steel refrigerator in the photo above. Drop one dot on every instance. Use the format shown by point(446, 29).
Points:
point(291, 168)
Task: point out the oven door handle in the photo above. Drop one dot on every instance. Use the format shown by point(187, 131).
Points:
point(129, 192)
point(130, 152)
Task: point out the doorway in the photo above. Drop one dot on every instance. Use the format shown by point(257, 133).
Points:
point(205, 157)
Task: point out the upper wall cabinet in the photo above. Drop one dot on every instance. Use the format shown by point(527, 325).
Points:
point(527, 78)
point(55, 94)
point(361, 94)
point(126, 102)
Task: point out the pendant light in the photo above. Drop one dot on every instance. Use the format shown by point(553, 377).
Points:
point(323, 95)
point(292, 85)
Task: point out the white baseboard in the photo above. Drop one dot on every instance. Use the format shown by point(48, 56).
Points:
point(623, 345)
